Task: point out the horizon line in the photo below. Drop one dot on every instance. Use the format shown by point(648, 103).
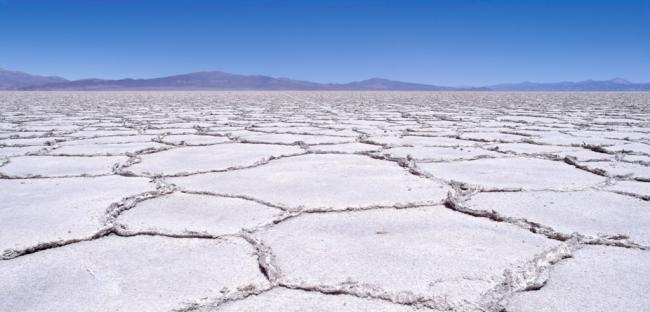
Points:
point(329, 82)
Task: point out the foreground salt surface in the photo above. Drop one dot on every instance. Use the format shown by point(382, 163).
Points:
point(306, 201)
point(119, 274)
point(432, 254)
point(598, 279)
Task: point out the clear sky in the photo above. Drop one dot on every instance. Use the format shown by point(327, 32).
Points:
point(475, 42)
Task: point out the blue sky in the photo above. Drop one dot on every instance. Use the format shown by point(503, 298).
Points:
point(477, 42)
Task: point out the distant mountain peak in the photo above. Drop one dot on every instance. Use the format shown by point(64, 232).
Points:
point(619, 81)
point(12, 80)
point(616, 84)
point(217, 80)
point(376, 79)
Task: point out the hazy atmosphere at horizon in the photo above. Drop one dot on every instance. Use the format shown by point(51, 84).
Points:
point(457, 43)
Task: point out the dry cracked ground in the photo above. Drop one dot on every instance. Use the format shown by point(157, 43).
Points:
point(306, 201)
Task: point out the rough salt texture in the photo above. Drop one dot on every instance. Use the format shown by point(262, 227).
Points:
point(45, 210)
point(345, 148)
point(180, 213)
point(457, 257)
point(324, 201)
point(323, 181)
point(590, 212)
point(440, 154)
point(118, 274)
point(195, 159)
point(108, 149)
point(596, 279)
point(193, 139)
point(286, 300)
point(514, 173)
point(287, 138)
point(638, 189)
point(51, 166)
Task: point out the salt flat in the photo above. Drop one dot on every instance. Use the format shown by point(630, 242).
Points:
point(324, 201)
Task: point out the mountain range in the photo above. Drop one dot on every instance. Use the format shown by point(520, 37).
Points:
point(215, 80)
point(12, 80)
point(616, 84)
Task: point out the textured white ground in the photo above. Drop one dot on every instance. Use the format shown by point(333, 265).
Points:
point(330, 201)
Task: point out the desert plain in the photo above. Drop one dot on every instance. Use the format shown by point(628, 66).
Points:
point(324, 201)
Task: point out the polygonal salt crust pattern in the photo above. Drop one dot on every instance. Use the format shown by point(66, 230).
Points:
point(48, 210)
point(115, 139)
point(457, 257)
point(193, 139)
point(637, 148)
point(344, 148)
point(19, 151)
point(39, 141)
point(283, 138)
point(197, 159)
point(60, 166)
point(527, 149)
point(595, 279)
point(637, 189)
point(621, 169)
point(328, 181)
point(438, 154)
point(118, 274)
point(593, 213)
point(585, 155)
point(181, 214)
point(421, 141)
point(514, 173)
point(108, 149)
